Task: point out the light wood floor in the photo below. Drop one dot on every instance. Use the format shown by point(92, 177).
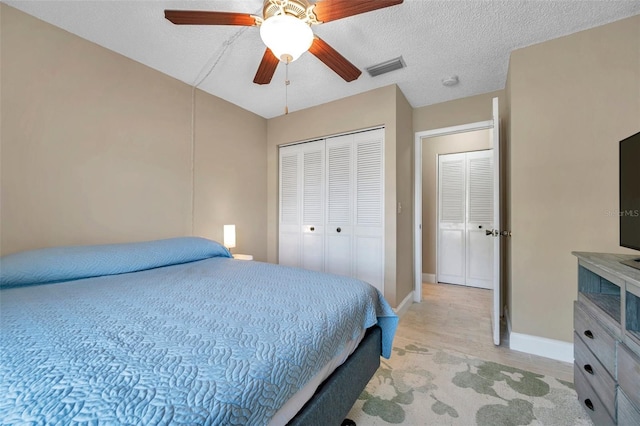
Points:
point(458, 318)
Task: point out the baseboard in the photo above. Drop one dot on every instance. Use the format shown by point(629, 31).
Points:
point(428, 278)
point(535, 345)
point(541, 346)
point(403, 307)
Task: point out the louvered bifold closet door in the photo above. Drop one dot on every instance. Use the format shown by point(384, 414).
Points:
point(313, 200)
point(369, 207)
point(339, 206)
point(451, 218)
point(332, 206)
point(479, 246)
point(289, 241)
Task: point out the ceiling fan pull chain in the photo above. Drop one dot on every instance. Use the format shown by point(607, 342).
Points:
point(286, 87)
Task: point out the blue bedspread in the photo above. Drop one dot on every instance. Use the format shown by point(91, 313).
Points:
point(215, 341)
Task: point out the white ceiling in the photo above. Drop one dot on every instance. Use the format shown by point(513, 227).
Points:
point(437, 39)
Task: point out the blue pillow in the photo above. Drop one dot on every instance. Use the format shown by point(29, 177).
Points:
point(58, 264)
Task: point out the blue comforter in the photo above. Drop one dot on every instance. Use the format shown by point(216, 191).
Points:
point(213, 341)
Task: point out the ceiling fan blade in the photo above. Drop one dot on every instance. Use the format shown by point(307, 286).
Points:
point(331, 10)
point(267, 68)
point(201, 17)
point(334, 60)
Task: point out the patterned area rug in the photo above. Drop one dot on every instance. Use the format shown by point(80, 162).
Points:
point(423, 386)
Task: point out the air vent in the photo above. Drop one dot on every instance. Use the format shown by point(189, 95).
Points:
point(385, 67)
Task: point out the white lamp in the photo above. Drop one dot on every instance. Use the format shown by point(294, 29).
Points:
point(230, 236)
point(287, 37)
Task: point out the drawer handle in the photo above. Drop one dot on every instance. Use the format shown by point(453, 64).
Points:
point(589, 404)
point(588, 369)
point(589, 334)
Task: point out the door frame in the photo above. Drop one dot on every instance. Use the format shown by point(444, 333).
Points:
point(417, 196)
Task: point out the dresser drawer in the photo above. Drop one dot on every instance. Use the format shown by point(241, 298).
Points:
point(628, 415)
point(629, 374)
point(590, 401)
point(595, 374)
point(596, 338)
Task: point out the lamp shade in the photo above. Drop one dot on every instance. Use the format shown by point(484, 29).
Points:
point(286, 36)
point(230, 236)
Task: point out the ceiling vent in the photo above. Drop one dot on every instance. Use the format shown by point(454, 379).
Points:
point(387, 66)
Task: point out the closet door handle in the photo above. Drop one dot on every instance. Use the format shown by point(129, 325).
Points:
point(312, 229)
point(588, 368)
point(339, 230)
point(589, 334)
point(589, 404)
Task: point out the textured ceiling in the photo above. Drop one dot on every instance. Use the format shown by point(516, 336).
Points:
point(437, 39)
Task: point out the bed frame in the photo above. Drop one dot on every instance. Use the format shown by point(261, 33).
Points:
point(337, 394)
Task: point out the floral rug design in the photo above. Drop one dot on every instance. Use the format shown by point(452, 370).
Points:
point(423, 386)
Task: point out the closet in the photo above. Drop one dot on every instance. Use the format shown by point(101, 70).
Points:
point(465, 213)
point(332, 206)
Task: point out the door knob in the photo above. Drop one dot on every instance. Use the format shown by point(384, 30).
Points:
point(493, 232)
point(339, 230)
point(312, 229)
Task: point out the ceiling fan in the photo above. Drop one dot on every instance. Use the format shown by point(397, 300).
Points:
point(285, 28)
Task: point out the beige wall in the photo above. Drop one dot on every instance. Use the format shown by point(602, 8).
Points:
point(230, 170)
point(505, 140)
point(96, 148)
point(572, 100)
point(370, 109)
point(404, 197)
point(431, 149)
point(460, 111)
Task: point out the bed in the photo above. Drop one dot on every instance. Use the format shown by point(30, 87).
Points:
point(178, 332)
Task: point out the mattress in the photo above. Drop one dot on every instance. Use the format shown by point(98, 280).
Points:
point(211, 341)
point(300, 398)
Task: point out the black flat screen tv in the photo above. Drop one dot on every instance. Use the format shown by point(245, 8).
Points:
point(630, 195)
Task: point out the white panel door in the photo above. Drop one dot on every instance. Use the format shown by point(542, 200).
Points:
point(313, 180)
point(339, 205)
point(369, 207)
point(289, 241)
point(451, 218)
point(479, 248)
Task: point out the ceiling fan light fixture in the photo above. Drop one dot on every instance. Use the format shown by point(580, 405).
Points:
point(287, 37)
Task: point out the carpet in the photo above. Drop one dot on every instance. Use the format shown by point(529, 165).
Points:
point(424, 386)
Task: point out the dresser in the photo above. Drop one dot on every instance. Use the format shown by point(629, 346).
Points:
point(607, 339)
